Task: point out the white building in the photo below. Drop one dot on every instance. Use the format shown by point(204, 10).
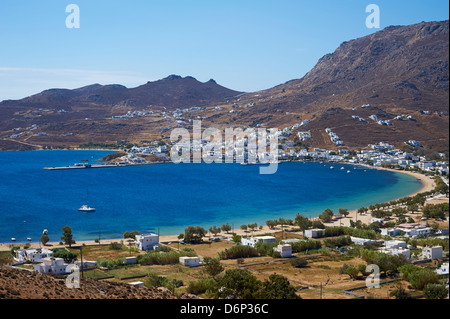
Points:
point(147, 242)
point(362, 241)
point(137, 283)
point(251, 241)
point(51, 265)
point(397, 251)
point(390, 244)
point(375, 220)
point(431, 252)
point(314, 233)
point(285, 250)
point(33, 255)
point(443, 270)
point(190, 261)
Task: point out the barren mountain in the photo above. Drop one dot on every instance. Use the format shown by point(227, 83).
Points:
point(398, 71)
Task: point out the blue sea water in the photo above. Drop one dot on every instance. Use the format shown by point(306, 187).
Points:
point(169, 197)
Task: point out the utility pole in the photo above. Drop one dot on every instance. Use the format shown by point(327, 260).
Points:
point(82, 267)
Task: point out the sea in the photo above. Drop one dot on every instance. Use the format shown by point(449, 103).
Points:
point(167, 198)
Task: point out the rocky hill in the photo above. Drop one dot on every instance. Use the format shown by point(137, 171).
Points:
point(401, 70)
point(23, 284)
point(397, 72)
point(172, 92)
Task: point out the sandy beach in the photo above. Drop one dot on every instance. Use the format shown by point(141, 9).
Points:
point(428, 184)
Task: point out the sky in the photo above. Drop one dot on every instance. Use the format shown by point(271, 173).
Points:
point(245, 45)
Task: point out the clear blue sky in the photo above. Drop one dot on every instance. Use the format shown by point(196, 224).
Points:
point(246, 45)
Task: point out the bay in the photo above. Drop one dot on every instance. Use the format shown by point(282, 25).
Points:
point(169, 197)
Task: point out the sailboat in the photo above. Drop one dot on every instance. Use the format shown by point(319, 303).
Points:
point(86, 208)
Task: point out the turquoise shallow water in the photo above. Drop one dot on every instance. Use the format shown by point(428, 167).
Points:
point(170, 197)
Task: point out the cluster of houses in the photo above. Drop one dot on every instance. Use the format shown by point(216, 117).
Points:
point(305, 136)
point(361, 119)
point(132, 114)
point(381, 122)
point(392, 247)
point(334, 138)
point(379, 154)
point(241, 149)
point(284, 249)
point(45, 263)
point(410, 230)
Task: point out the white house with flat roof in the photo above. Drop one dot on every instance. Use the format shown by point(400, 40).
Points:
point(252, 241)
point(33, 255)
point(285, 250)
point(190, 261)
point(389, 244)
point(314, 233)
point(51, 265)
point(147, 242)
point(443, 270)
point(397, 251)
point(431, 252)
point(362, 241)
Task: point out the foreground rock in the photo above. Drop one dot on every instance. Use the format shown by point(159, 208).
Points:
point(23, 284)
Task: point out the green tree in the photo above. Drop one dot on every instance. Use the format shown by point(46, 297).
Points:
point(194, 235)
point(131, 235)
point(226, 228)
point(252, 226)
point(66, 255)
point(302, 222)
point(343, 212)
point(238, 284)
point(327, 215)
point(214, 230)
point(271, 223)
point(277, 287)
point(44, 239)
point(67, 236)
point(212, 266)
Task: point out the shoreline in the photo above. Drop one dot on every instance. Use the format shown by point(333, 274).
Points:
point(427, 185)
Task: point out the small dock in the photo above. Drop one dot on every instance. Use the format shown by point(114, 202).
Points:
point(104, 165)
point(85, 166)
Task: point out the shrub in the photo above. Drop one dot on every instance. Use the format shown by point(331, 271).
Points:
point(66, 255)
point(238, 252)
point(111, 263)
point(338, 242)
point(265, 249)
point(164, 258)
point(201, 286)
point(298, 262)
point(419, 279)
point(435, 291)
point(158, 281)
point(212, 266)
point(305, 245)
point(115, 246)
point(400, 293)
